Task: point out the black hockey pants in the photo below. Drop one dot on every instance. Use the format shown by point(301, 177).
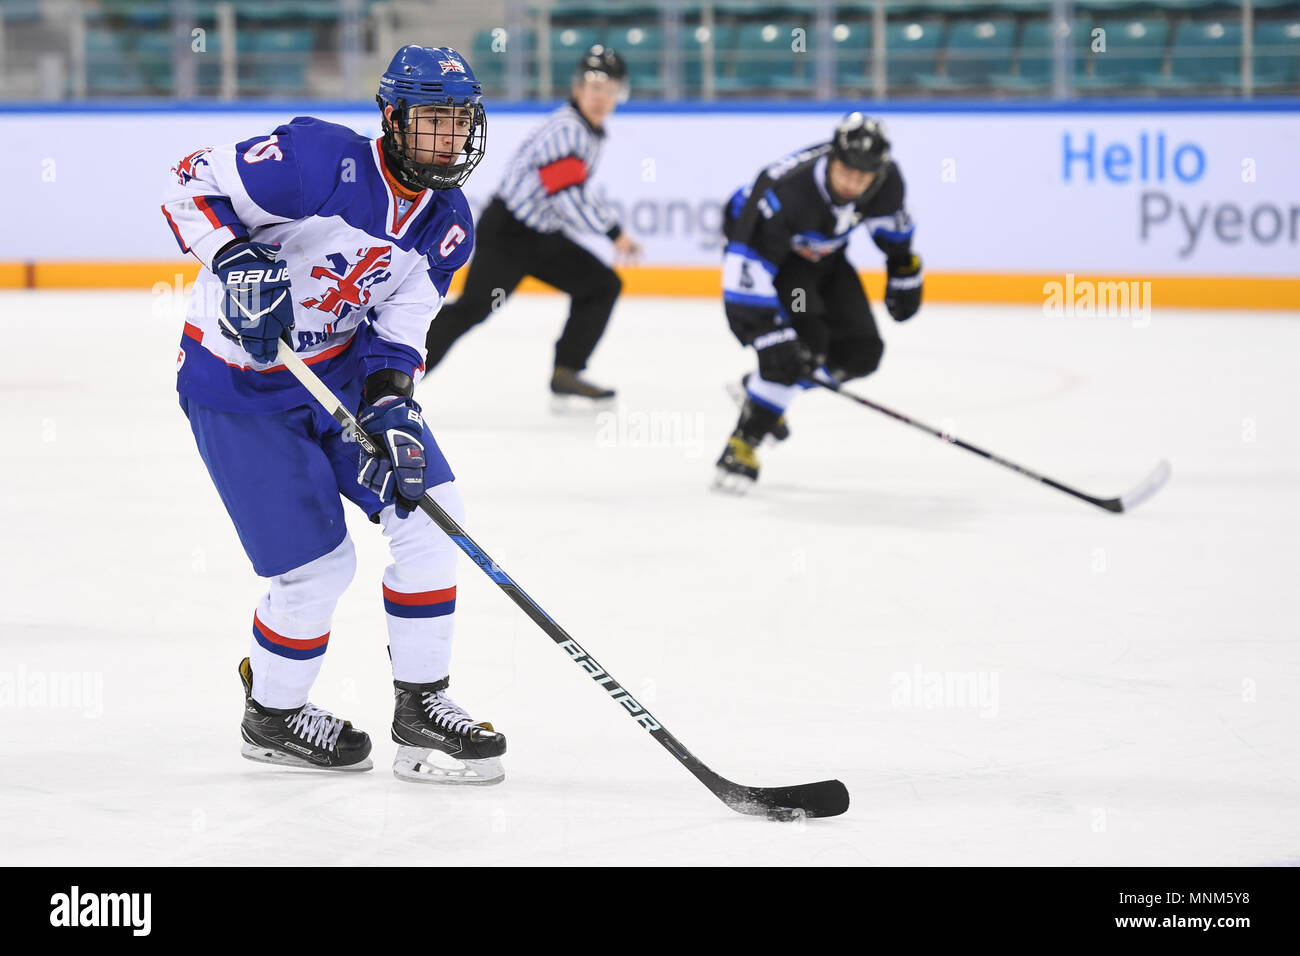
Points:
point(828, 308)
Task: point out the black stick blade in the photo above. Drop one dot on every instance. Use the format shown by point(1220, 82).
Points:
point(827, 798)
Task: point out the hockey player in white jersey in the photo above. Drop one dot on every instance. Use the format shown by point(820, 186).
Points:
point(344, 247)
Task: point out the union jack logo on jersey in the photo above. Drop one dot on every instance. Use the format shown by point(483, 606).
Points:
point(186, 169)
point(353, 280)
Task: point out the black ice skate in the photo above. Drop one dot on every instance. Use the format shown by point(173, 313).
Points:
point(571, 392)
point(303, 736)
point(738, 465)
point(780, 430)
point(439, 743)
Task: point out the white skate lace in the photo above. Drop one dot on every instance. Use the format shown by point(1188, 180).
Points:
point(316, 726)
point(445, 711)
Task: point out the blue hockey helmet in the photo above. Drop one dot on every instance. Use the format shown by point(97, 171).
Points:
point(450, 141)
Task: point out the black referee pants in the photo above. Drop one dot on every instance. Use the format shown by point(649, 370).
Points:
point(505, 250)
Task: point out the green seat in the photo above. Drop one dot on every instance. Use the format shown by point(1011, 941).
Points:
point(153, 56)
point(642, 46)
point(921, 9)
point(105, 44)
point(1114, 9)
point(765, 59)
point(693, 40)
point(1206, 53)
point(124, 80)
point(279, 11)
point(276, 41)
point(287, 11)
point(274, 60)
point(136, 13)
point(1277, 52)
point(1134, 53)
point(489, 65)
point(16, 11)
point(1035, 59)
point(852, 42)
point(1025, 8)
point(912, 51)
point(568, 44)
point(752, 10)
point(109, 70)
point(1187, 6)
point(977, 49)
point(275, 79)
point(610, 10)
point(577, 11)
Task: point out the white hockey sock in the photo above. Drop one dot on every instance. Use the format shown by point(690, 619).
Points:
point(771, 394)
point(420, 590)
point(291, 627)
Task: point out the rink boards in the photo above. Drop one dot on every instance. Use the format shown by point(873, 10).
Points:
point(1098, 205)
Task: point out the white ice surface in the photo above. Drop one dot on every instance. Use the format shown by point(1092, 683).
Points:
point(1146, 665)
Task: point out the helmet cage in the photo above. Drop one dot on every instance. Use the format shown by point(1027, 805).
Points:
point(400, 142)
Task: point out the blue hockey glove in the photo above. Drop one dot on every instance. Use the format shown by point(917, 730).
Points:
point(257, 308)
point(394, 422)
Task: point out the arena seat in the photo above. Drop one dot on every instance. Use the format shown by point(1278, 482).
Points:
point(1277, 53)
point(1134, 53)
point(912, 51)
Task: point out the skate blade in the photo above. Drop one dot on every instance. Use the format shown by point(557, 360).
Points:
point(730, 483)
point(421, 765)
point(577, 405)
point(277, 758)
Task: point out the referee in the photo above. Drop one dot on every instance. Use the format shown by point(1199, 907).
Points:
point(521, 233)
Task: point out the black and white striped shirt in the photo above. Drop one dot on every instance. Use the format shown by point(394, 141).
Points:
point(545, 186)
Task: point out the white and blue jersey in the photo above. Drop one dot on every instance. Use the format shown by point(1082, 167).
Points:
point(369, 262)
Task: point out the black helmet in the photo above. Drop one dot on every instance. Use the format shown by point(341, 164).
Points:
point(860, 143)
point(601, 59)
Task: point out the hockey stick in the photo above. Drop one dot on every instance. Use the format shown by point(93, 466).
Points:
point(827, 798)
point(1144, 489)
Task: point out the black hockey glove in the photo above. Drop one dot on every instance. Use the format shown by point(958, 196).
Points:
point(903, 288)
point(782, 358)
point(257, 308)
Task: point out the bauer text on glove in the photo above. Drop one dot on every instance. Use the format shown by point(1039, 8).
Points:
point(257, 308)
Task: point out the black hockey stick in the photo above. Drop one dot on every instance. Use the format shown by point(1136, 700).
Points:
point(1144, 489)
point(827, 798)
